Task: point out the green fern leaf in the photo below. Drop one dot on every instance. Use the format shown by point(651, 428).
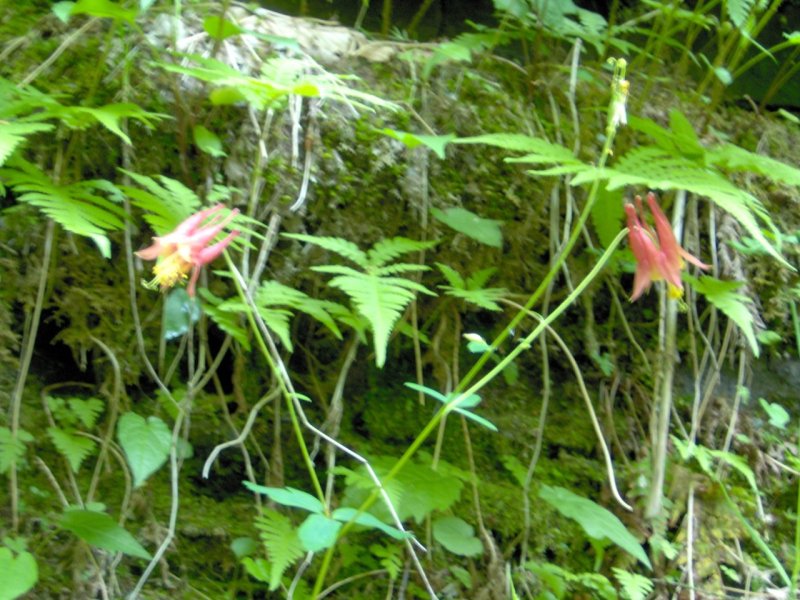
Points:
point(653, 168)
point(226, 320)
point(110, 115)
point(281, 542)
point(382, 301)
point(389, 249)
point(12, 448)
point(341, 247)
point(739, 10)
point(472, 289)
point(86, 410)
point(722, 294)
point(634, 586)
point(453, 277)
point(73, 447)
point(735, 158)
point(539, 151)
point(272, 293)
point(166, 203)
point(13, 134)
point(76, 207)
point(389, 557)
point(377, 296)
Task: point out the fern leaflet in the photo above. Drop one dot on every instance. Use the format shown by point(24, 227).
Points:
point(76, 207)
point(12, 449)
point(377, 294)
point(722, 294)
point(634, 586)
point(75, 448)
point(281, 542)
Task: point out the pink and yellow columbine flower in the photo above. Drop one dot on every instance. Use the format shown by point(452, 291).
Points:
point(658, 254)
point(187, 248)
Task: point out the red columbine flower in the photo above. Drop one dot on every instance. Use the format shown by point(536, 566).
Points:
point(187, 248)
point(658, 254)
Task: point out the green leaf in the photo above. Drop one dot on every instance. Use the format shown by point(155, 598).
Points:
point(257, 568)
point(77, 207)
point(596, 521)
point(539, 150)
point(778, 417)
point(146, 444)
point(180, 312)
point(281, 542)
point(13, 134)
point(318, 532)
point(75, 448)
point(634, 586)
point(62, 11)
point(722, 294)
point(485, 231)
point(208, 141)
point(12, 448)
point(340, 246)
point(244, 546)
point(86, 410)
point(110, 115)
point(346, 514)
point(288, 496)
point(18, 574)
point(101, 531)
point(220, 29)
point(457, 536)
point(437, 143)
point(416, 491)
point(104, 9)
point(608, 215)
point(228, 321)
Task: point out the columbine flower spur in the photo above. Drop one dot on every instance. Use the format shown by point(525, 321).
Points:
point(658, 254)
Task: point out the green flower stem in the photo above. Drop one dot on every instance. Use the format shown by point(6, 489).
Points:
point(279, 375)
point(434, 422)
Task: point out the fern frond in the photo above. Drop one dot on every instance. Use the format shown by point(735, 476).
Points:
point(739, 10)
point(472, 289)
point(654, 168)
point(75, 448)
point(389, 249)
point(634, 586)
point(453, 277)
point(343, 248)
point(737, 307)
point(226, 320)
point(165, 204)
point(734, 158)
point(86, 410)
point(281, 542)
point(76, 207)
point(12, 448)
point(380, 301)
point(398, 269)
point(272, 293)
point(13, 134)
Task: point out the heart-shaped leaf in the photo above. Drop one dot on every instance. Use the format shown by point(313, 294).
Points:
point(146, 444)
point(17, 574)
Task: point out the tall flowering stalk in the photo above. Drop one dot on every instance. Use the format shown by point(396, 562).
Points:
point(187, 248)
point(658, 254)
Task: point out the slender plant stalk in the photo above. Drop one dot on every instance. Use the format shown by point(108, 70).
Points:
point(25, 364)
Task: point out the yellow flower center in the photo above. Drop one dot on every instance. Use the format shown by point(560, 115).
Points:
point(170, 270)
